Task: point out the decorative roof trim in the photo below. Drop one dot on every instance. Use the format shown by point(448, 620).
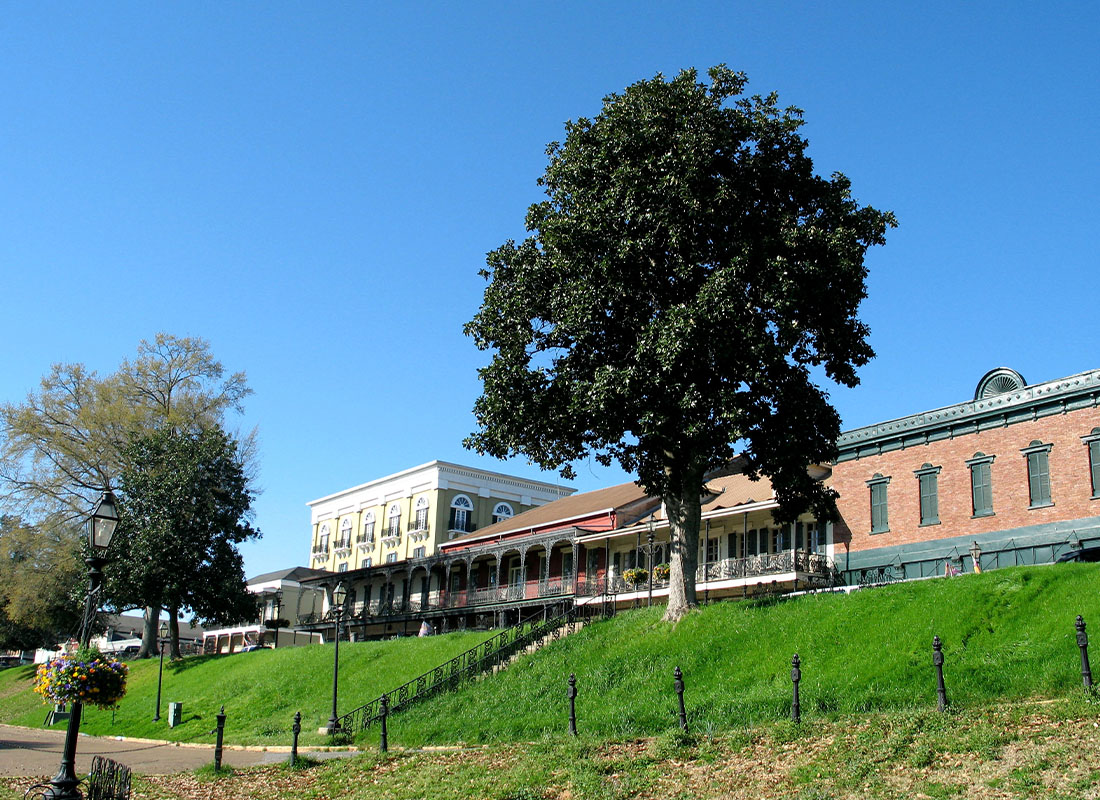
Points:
point(1027, 404)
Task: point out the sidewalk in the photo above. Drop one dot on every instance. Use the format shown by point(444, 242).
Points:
point(34, 752)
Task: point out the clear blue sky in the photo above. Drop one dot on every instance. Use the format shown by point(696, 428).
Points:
point(313, 186)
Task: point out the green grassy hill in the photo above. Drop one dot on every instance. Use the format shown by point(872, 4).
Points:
point(261, 690)
point(1007, 635)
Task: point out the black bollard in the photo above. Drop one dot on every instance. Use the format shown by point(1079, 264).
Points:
point(218, 746)
point(383, 712)
point(296, 728)
point(1083, 643)
point(796, 676)
point(680, 692)
point(937, 662)
point(572, 704)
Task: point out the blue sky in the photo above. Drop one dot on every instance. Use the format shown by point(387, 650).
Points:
point(313, 188)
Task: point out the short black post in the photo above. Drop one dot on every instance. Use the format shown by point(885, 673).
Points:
point(796, 676)
point(218, 746)
point(1083, 643)
point(572, 704)
point(383, 712)
point(296, 728)
point(680, 692)
point(937, 662)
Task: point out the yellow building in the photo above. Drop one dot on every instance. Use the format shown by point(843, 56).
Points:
point(408, 514)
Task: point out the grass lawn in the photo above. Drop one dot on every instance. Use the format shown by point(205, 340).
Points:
point(1019, 726)
point(1008, 635)
point(1030, 750)
point(261, 690)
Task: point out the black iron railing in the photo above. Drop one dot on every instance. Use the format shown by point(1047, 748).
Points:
point(488, 655)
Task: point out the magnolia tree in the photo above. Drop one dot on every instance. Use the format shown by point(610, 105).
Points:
point(684, 282)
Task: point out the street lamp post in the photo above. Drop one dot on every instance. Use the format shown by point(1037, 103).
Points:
point(160, 670)
point(101, 527)
point(339, 594)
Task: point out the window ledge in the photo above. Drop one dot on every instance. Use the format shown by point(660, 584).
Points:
point(1040, 505)
point(983, 514)
point(881, 530)
point(929, 524)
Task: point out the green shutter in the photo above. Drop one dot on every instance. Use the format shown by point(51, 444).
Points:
point(880, 517)
point(1038, 475)
point(929, 500)
point(982, 489)
point(1094, 464)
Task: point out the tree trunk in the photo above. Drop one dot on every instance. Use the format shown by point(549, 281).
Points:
point(149, 632)
point(174, 633)
point(684, 513)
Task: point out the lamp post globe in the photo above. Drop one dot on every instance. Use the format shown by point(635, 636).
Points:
point(101, 528)
point(339, 595)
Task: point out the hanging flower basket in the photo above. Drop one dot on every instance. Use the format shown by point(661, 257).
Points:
point(636, 576)
point(661, 572)
point(86, 676)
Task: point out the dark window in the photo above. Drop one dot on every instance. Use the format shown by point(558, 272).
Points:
point(731, 546)
point(880, 516)
point(751, 547)
point(1038, 473)
point(712, 550)
point(981, 484)
point(928, 479)
point(1093, 443)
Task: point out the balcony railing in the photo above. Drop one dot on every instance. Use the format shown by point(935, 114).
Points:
point(761, 566)
point(320, 549)
point(814, 564)
point(343, 544)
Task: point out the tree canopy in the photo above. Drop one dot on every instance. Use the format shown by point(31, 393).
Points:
point(78, 434)
point(63, 445)
point(684, 278)
point(185, 506)
point(40, 582)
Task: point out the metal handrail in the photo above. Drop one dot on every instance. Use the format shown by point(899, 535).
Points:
point(491, 653)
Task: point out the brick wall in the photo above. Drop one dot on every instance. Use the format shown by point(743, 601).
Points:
point(1070, 486)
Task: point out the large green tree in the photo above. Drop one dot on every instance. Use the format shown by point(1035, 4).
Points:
point(685, 282)
point(68, 440)
point(186, 506)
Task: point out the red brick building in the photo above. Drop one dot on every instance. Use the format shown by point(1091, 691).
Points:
point(1012, 475)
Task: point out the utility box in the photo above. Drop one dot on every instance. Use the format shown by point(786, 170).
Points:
point(175, 714)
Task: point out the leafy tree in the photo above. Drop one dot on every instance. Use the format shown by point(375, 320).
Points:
point(185, 507)
point(64, 445)
point(40, 578)
point(686, 273)
point(68, 441)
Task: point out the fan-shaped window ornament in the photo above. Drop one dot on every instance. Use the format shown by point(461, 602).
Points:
point(502, 511)
point(999, 381)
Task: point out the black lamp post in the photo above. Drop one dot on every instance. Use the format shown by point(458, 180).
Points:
point(101, 527)
point(160, 670)
point(339, 594)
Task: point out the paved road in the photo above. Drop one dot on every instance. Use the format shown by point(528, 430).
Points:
point(30, 751)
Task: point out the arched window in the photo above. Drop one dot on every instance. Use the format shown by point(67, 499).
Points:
point(345, 533)
point(422, 514)
point(461, 510)
point(322, 539)
point(502, 511)
point(393, 521)
point(368, 527)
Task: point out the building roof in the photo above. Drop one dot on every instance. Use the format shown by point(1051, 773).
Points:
point(999, 400)
point(449, 467)
point(561, 512)
point(297, 574)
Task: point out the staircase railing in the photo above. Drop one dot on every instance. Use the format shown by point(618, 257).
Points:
point(448, 676)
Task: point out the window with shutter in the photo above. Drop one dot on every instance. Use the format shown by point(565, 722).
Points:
point(880, 515)
point(1038, 473)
